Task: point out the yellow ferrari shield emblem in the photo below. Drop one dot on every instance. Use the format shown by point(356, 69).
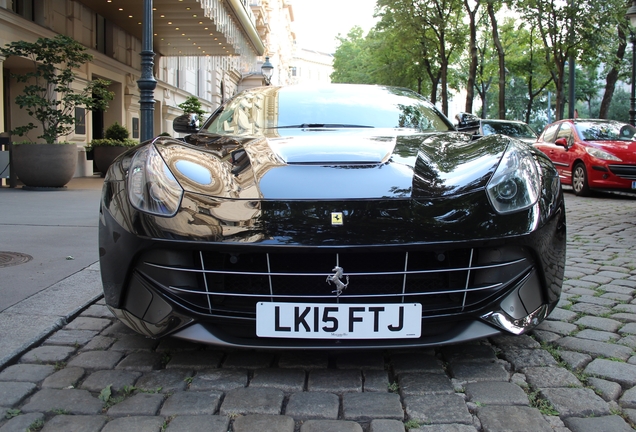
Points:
point(336, 218)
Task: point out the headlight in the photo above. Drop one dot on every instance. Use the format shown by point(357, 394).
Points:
point(515, 185)
point(151, 186)
point(601, 154)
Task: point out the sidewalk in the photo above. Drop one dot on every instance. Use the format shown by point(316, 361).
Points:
point(58, 229)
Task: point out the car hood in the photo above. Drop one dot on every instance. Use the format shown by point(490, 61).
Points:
point(336, 166)
point(623, 149)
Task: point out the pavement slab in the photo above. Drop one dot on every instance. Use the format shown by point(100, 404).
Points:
point(76, 423)
point(575, 402)
point(27, 372)
point(336, 381)
point(219, 379)
point(622, 373)
point(137, 405)
point(369, 406)
point(164, 380)
point(116, 379)
point(48, 354)
point(597, 424)
point(202, 423)
point(375, 380)
point(68, 401)
point(512, 418)
point(313, 405)
point(437, 409)
point(479, 372)
point(23, 422)
point(252, 401)
point(496, 393)
point(608, 390)
point(12, 393)
point(96, 359)
point(67, 377)
point(546, 377)
point(137, 424)
point(192, 403)
point(287, 380)
point(425, 383)
point(263, 423)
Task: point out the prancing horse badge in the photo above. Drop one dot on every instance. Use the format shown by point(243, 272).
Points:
point(336, 218)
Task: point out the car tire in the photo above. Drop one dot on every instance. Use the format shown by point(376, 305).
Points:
point(579, 180)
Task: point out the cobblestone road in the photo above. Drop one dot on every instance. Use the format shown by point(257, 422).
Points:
point(577, 372)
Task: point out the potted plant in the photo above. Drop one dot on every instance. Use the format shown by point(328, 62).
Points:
point(114, 143)
point(50, 98)
point(192, 105)
point(192, 117)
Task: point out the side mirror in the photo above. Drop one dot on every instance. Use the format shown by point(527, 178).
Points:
point(186, 123)
point(467, 122)
point(562, 142)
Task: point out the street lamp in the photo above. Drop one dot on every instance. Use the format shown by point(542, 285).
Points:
point(631, 15)
point(268, 70)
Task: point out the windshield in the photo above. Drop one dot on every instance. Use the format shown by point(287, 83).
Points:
point(290, 110)
point(515, 130)
point(611, 131)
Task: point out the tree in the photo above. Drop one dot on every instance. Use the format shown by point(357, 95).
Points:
point(566, 29)
point(438, 28)
point(612, 52)
point(613, 72)
point(49, 96)
point(351, 59)
point(526, 67)
point(192, 105)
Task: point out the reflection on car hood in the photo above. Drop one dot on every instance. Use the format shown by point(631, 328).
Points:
point(329, 166)
point(530, 141)
point(624, 149)
point(323, 149)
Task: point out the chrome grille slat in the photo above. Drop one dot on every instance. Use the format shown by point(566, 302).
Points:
point(205, 281)
point(411, 272)
point(470, 263)
point(331, 296)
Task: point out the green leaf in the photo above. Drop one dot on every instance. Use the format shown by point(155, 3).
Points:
point(105, 394)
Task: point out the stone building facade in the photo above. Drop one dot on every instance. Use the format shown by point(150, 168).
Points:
point(207, 48)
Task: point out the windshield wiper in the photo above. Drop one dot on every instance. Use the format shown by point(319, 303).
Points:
point(320, 125)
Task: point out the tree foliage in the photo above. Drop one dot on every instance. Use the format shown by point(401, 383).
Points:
point(49, 95)
point(514, 66)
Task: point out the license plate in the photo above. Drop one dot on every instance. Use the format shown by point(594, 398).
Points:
point(634, 185)
point(338, 321)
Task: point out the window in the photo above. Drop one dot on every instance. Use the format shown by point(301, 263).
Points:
point(24, 8)
point(550, 132)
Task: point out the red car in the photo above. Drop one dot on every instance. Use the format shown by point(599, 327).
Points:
point(592, 154)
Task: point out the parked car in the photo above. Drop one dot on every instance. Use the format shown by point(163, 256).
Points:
point(592, 154)
point(484, 127)
point(336, 216)
point(512, 128)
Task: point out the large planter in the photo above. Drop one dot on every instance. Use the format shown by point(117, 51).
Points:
point(45, 165)
point(105, 155)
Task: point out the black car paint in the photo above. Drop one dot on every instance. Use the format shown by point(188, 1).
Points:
point(406, 212)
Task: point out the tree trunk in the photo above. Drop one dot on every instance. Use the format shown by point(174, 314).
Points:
point(502, 62)
point(472, 69)
point(612, 76)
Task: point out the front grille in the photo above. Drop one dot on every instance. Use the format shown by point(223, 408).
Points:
point(230, 284)
point(624, 171)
